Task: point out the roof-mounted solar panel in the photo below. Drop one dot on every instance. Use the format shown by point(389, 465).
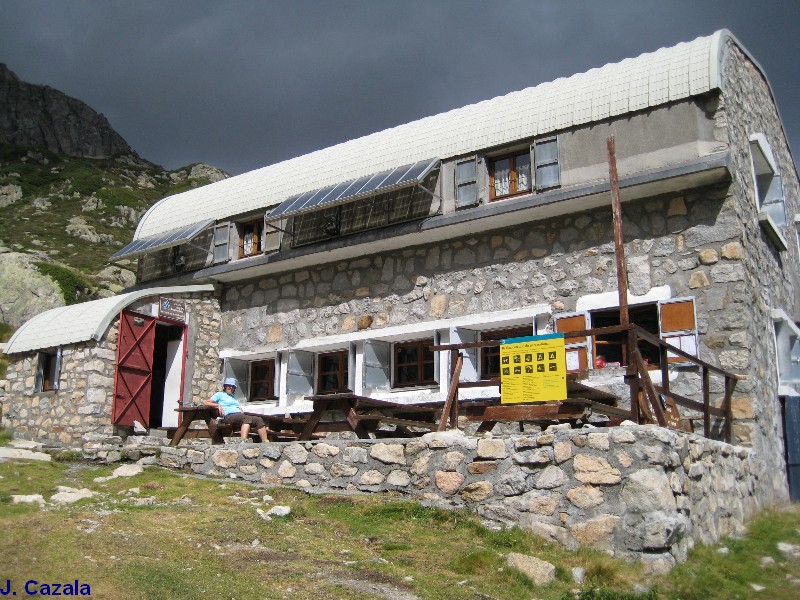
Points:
point(162, 240)
point(346, 191)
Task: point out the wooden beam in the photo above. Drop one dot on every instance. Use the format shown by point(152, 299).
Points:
point(619, 243)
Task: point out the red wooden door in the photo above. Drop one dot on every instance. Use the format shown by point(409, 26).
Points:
point(134, 375)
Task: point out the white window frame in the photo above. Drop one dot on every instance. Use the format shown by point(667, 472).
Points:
point(787, 352)
point(764, 170)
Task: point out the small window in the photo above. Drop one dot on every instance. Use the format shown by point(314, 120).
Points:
point(251, 238)
point(221, 237)
point(768, 183)
point(787, 342)
point(510, 176)
point(414, 363)
point(490, 357)
point(262, 381)
point(48, 371)
point(333, 372)
point(548, 173)
point(466, 182)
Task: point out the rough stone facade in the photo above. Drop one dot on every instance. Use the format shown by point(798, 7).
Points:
point(638, 492)
point(83, 403)
point(770, 278)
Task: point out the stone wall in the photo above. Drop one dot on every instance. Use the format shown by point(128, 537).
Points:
point(637, 492)
point(688, 241)
point(770, 277)
point(83, 402)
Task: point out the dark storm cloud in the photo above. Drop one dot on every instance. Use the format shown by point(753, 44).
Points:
point(240, 85)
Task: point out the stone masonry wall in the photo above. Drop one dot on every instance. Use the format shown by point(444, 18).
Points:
point(637, 492)
point(83, 403)
point(771, 277)
point(689, 241)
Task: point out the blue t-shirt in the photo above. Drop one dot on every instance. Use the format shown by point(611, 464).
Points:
point(228, 403)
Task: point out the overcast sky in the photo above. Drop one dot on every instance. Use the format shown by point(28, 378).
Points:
point(243, 84)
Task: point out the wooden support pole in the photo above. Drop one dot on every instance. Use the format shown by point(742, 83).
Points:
point(619, 246)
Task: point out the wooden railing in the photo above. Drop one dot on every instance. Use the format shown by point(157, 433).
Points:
point(650, 403)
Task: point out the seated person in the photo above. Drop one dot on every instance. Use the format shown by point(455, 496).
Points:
point(232, 414)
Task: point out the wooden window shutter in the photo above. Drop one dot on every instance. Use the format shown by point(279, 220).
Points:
point(577, 347)
point(678, 326)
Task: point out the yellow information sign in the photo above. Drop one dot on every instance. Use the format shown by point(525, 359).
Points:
point(533, 369)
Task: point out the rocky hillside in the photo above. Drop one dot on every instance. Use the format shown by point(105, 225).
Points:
point(71, 194)
point(38, 116)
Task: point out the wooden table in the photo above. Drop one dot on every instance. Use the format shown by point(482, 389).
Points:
point(190, 414)
point(582, 401)
point(363, 415)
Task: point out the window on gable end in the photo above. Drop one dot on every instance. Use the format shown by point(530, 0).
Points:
point(768, 187)
point(787, 347)
point(48, 371)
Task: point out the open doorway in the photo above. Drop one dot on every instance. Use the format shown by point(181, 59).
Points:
point(149, 377)
point(167, 375)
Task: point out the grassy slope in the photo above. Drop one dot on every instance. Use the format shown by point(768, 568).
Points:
point(197, 540)
point(67, 183)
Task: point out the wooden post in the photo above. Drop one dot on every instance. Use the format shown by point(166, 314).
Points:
point(622, 276)
point(619, 246)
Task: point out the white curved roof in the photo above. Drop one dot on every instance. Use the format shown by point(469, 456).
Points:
point(81, 322)
point(634, 84)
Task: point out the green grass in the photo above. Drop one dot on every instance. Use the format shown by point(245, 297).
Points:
point(202, 538)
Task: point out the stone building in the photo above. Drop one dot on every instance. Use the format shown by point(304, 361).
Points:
point(340, 268)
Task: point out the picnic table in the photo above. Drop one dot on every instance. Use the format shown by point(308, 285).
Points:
point(364, 415)
point(581, 402)
point(191, 413)
point(330, 413)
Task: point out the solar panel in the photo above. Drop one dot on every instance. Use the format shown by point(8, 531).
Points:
point(162, 240)
point(349, 190)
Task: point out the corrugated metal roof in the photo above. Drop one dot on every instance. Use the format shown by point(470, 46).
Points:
point(81, 322)
point(649, 80)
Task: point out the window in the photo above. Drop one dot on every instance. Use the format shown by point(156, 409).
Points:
point(466, 182)
point(490, 357)
point(251, 238)
point(787, 343)
point(510, 175)
point(414, 363)
point(48, 371)
point(768, 187)
point(672, 320)
point(548, 174)
point(333, 372)
point(262, 381)
point(221, 236)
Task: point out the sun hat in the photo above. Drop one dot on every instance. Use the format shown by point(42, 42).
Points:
point(230, 381)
